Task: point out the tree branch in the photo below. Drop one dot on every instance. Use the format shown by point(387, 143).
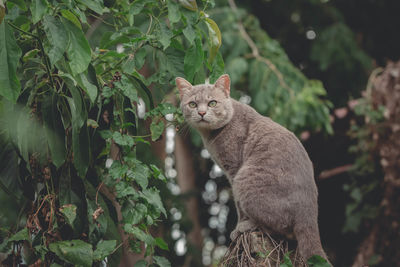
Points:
point(255, 51)
point(335, 171)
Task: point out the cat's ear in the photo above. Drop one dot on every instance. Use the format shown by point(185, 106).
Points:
point(182, 85)
point(224, 83)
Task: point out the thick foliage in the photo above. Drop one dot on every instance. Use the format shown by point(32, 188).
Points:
point(67, 105)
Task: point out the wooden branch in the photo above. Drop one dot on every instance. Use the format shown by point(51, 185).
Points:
point(366, 249)
point(256, 53)
point(128, 258)
point(335, 171)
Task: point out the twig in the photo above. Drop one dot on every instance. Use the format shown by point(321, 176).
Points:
point(41, 204)
point(335, 171)
point(97, 192)
point(243, 251)
point(256, 53)
point(20, 30)
point(41, 49)
point(117, 247)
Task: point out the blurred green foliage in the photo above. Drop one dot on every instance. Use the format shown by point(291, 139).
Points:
point(278, 89)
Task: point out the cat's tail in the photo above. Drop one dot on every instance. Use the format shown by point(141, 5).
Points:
point(308, 241)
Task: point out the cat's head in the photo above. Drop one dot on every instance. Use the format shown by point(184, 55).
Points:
point(206, 106)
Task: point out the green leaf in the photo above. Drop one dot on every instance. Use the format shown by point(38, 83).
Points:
point(103, 249)
point(140, 174)
point(30, 54)
point(214, 38)
point(133, 215)
point(20, 236)
point(139, 234)
point(69, 212)
point(105, 134)
point(189, 33)
point(78, 112)
point(156, 129)
point(81, 148)
point(76, 252)
point(161, 243)
point(129, 64)
point(152, 196)
point(135, 61)
point(9, 159)
point(88, 87)
point(38, 9)
point(172, 62)
point(141, 263)
point(117, 170)
point(92, 123)
point(286, 261)
point(123, 140)
point(144, 91)
point(71, 17)
point(123, 189)
point(57, 36)
point(54, 130)
point(78, 51)
point(173, 12)
point(80, 135)
point(81, 15)
point(127, 88)
point(157, 173)
point(165, 35)
point(140, 57)
point(161, 261)
point(64, 187)
point(137, 6)
point(9, 57)
point(20, 3)
point(317, 261)
point(218, 68)
point(193, 60)
point(95, 5)
point(189, 4)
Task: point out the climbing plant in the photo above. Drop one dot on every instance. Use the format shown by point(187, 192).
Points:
point(70, 84)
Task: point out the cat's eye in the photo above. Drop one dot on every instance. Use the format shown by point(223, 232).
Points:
point(192, 104)
point(212, 103)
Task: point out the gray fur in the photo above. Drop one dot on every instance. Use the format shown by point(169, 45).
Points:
point(268, 168)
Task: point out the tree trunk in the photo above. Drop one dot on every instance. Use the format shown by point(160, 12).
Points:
point(186, 181)
point(383, 242)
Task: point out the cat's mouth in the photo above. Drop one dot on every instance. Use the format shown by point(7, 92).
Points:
point(202, 120)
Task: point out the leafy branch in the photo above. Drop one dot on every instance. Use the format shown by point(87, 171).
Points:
point(46, 61)
point(255, 51)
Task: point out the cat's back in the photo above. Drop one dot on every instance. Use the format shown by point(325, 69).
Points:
point(268, 140)
point(257, 124)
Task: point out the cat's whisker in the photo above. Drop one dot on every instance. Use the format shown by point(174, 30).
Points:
point(184, 130)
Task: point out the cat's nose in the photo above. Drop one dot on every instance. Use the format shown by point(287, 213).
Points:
point(202, 113)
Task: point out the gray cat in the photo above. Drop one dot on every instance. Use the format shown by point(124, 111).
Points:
point(268, 168)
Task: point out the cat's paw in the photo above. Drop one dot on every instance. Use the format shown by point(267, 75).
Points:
point(242, 227)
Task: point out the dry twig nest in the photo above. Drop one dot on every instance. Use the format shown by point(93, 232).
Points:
point(258, 249)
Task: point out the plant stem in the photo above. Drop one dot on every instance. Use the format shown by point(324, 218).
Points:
point(20, 30)
point(46, 60)
point(41, 49)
